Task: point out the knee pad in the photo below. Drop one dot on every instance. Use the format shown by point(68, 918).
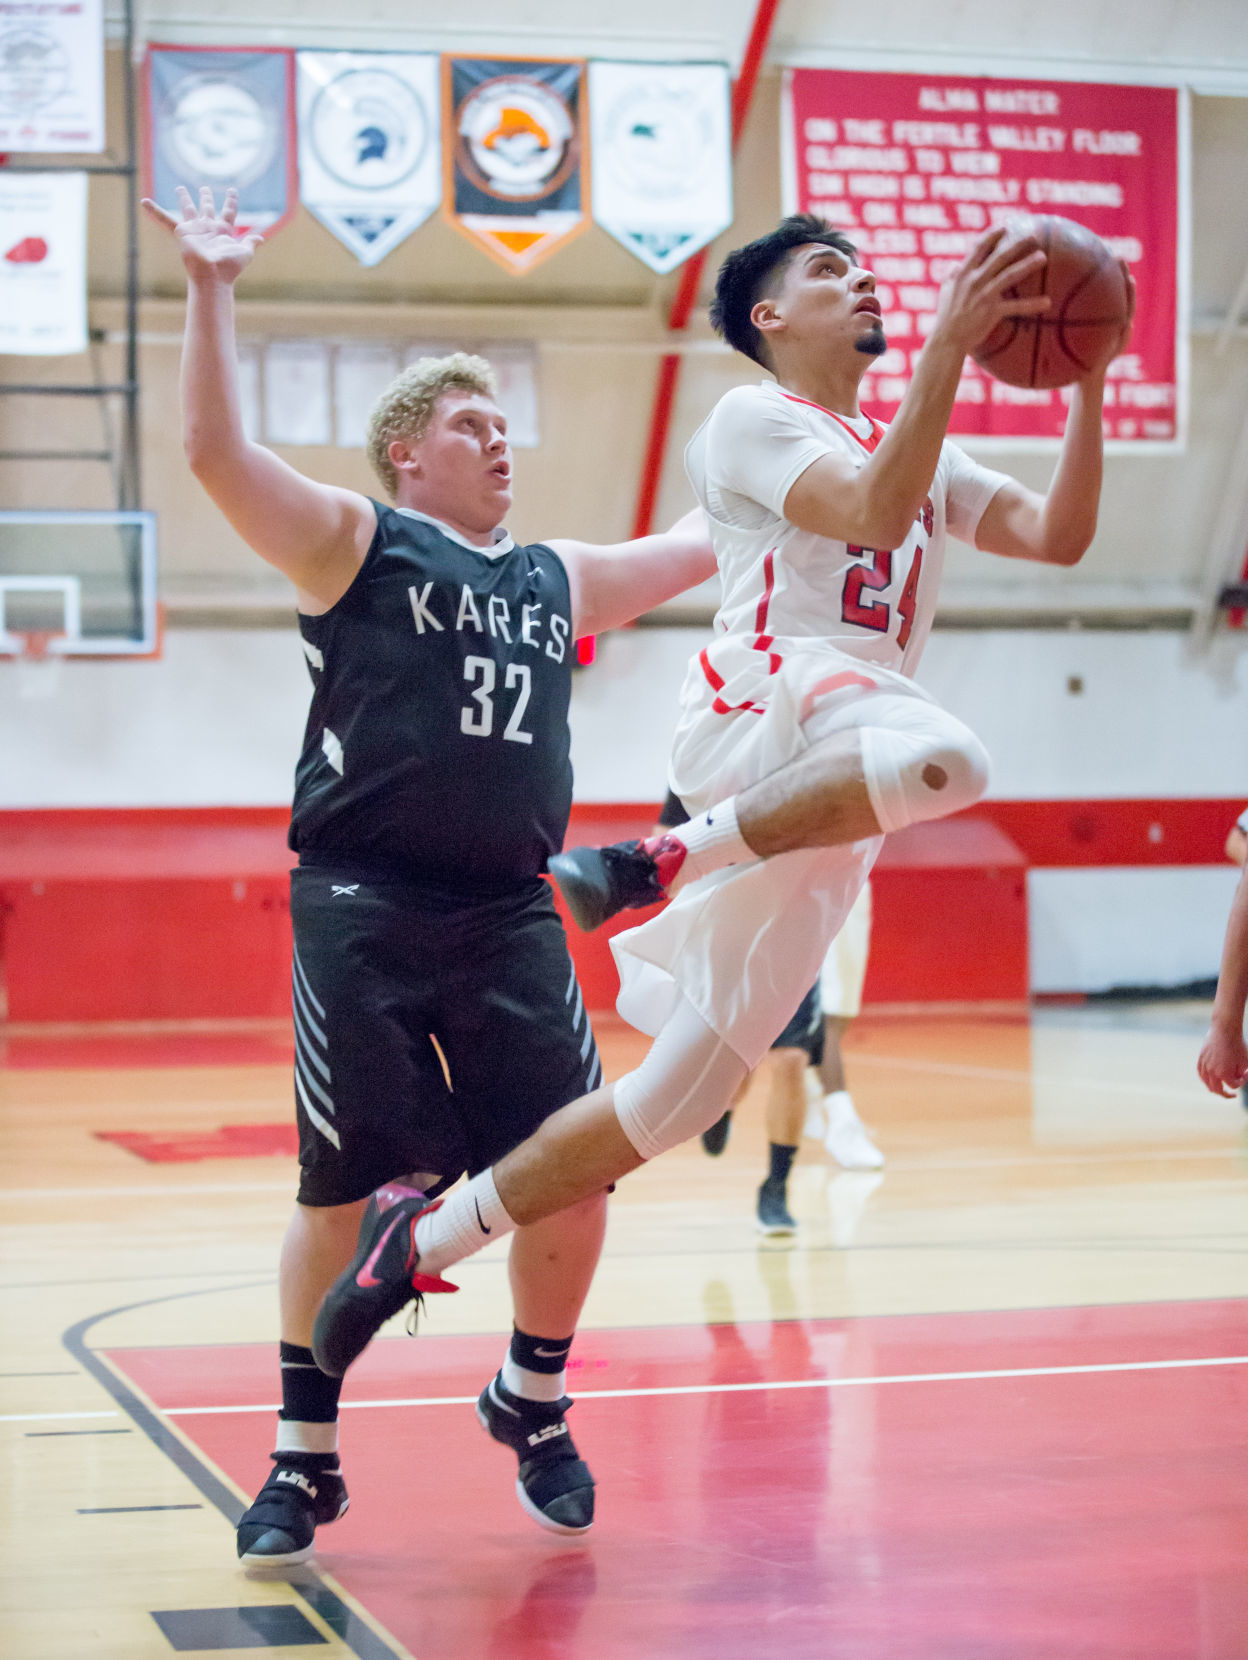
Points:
point(930, 768)
point(684, 1084)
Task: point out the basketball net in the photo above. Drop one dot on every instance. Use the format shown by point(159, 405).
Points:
point(38, 666)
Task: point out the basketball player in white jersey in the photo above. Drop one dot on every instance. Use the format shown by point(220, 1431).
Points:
point(802, 739)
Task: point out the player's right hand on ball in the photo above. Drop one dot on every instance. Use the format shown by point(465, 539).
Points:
point(977, 295)
point(210, 243)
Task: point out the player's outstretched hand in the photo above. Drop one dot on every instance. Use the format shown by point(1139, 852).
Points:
point(210, 243)
point(976, 297)
point(1223, 1062)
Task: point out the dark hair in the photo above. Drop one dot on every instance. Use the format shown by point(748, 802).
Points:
point(746, 273)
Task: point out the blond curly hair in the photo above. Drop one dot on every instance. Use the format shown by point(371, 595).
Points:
point(406, 406)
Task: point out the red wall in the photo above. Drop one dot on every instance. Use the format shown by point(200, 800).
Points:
point(141, 914)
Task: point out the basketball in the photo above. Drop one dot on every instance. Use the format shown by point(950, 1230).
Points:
point(1088, 288)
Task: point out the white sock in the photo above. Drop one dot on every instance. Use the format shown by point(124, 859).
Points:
point(294, 1436)
point(712, 840)
point(533, 1386)
point(466, 1221)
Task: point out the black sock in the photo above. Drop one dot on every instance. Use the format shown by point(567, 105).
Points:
point(781, 1163)
point(534, 1367)
point(539, 1354)
point(308, 1419)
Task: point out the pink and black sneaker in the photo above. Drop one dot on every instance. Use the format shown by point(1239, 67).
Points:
point(596, 882)
point(381, 1280)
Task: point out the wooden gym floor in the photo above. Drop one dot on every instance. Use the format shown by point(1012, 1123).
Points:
point(988, 1405)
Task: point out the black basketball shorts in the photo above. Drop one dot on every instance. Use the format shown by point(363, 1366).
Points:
point(385, 968)
point(805, 1030)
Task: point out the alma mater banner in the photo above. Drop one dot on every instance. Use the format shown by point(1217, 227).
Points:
point(914, 168)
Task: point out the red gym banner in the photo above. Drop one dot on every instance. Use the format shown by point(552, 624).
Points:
point(914, 168)
point(515, 154)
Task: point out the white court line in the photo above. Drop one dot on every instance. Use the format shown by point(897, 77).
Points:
point(697, 1388)
point(763, 1387)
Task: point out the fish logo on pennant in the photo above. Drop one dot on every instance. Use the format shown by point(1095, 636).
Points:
point(516, 139)
point(663, 169)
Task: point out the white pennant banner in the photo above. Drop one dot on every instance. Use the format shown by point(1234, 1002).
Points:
point(662, 156)
point(43, 263)
point(370, 164)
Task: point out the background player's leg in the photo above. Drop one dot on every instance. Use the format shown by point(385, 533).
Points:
point(832, 1067)
point(786, 1107)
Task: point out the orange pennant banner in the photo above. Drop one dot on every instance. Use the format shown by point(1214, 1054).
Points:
point(516, 155)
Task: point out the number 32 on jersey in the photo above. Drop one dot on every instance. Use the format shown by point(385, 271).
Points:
point(478, 721)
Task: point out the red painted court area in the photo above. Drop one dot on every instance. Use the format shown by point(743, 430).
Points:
point(875, 1508)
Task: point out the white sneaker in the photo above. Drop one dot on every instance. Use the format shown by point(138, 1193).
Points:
point(846, 1139)
point(812, 1129)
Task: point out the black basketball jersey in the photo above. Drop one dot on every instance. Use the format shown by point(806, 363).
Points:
point(437, 743)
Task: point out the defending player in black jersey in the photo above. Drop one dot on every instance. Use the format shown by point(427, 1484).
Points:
point(434, 782)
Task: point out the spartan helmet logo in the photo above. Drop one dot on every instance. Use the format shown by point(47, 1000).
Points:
point(516, 138)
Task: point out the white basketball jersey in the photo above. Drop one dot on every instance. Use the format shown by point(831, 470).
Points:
point(786, 589)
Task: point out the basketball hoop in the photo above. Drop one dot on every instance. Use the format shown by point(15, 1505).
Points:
point(38, 666)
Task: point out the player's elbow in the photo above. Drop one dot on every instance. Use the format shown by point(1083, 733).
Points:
point(200, 450)
point(1067, 551)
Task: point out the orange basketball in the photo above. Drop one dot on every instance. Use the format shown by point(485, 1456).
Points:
point(1088, 288)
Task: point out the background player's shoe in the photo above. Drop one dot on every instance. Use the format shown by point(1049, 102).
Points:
point(554, 1484)
point(715, 1139)
point(846, 1138)
point(596, 882)
point(773, 1211)
point(303, 1492)
point(380, 1280)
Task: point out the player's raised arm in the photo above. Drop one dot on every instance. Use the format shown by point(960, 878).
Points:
point(1057, 528)
point(613, 584)
point(874, 505)
point(316, 534)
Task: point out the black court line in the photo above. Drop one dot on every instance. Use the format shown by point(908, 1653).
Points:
point(69, 1374)
point(47, 1434)
point(133, 1509)
point(362, 1640)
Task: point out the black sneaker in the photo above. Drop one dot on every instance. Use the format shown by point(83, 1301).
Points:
point(596, 882)
point(301, 1494)
point(380, 1280)
point(773, 1212)
point(554, 1484)
point(715, 1139)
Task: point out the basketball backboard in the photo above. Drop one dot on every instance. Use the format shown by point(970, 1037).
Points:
point(81, 584)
